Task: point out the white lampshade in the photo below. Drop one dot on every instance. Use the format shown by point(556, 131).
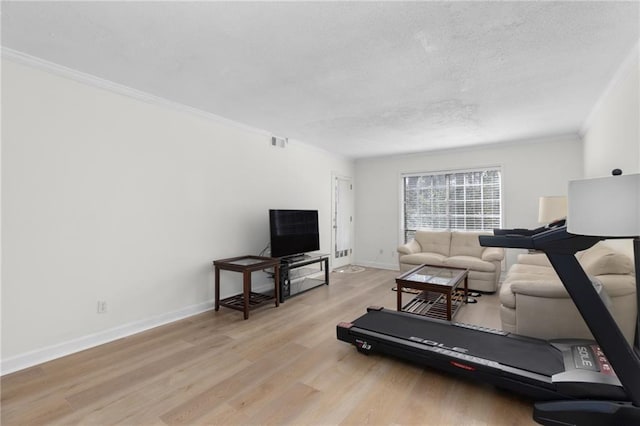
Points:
point(606, 207)
point(552, 208)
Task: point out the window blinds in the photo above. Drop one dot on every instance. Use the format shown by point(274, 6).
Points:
point(462, 200)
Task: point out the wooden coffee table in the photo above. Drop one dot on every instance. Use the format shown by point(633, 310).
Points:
point(437, 285)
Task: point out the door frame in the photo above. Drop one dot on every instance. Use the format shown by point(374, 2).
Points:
point(346, 260)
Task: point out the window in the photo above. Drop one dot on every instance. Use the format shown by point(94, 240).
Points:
point(465, 200)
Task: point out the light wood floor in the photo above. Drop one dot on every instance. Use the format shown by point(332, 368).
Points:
point(282, 366)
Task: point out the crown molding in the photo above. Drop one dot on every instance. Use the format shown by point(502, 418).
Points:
point(101, 83)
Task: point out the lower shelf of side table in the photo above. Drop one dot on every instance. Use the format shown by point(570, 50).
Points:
point(434, 305)
point(237, 302)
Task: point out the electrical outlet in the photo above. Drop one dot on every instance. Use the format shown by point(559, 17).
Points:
point(102, 306)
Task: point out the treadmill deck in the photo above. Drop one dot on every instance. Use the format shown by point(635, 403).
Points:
point(510, 350)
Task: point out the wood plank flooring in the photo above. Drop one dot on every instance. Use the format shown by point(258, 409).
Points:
point(281, 366)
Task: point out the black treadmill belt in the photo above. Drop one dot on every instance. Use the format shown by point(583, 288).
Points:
point(527, 354)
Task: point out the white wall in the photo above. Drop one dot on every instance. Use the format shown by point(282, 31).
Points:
point(530, 170)
point(106, 197)
point(612, 132)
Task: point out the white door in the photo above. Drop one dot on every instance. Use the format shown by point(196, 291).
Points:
point(342, 235)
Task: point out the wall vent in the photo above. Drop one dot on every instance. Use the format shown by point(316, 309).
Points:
point(279, 142)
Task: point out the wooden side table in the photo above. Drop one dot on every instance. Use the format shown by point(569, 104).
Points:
point(248, 299)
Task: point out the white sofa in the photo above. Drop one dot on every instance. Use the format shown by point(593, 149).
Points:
point(457, 249)
point(535, 303)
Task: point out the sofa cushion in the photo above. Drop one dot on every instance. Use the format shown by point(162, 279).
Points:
point(465, 244)
point(543, 272)
point(539, 259)
point(470, 263)
point(601, 260)
point(553, 289)
point(434, 259)
point(434, 241)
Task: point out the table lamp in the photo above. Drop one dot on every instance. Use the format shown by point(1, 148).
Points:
point(608, 207)
point(552, 208)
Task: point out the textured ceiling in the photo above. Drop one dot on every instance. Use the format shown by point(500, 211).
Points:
point(355, 78)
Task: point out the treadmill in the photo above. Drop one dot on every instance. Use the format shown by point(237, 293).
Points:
point(575, 377)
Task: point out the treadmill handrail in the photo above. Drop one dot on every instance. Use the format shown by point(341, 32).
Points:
point(555, 240)
point(507, 241)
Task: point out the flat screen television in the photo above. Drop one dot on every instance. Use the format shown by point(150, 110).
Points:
point(293, 232)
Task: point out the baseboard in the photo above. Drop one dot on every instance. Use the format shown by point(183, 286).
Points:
point(38, 356)
point(379, 265)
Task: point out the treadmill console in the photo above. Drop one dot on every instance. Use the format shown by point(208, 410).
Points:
point(591, 357)
point(529, 232)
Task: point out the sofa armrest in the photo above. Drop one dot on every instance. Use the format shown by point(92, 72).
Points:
point(548, 288)
point(493, 254)
point(410, 248)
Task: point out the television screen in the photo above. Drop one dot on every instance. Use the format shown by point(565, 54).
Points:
point(293, 232)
